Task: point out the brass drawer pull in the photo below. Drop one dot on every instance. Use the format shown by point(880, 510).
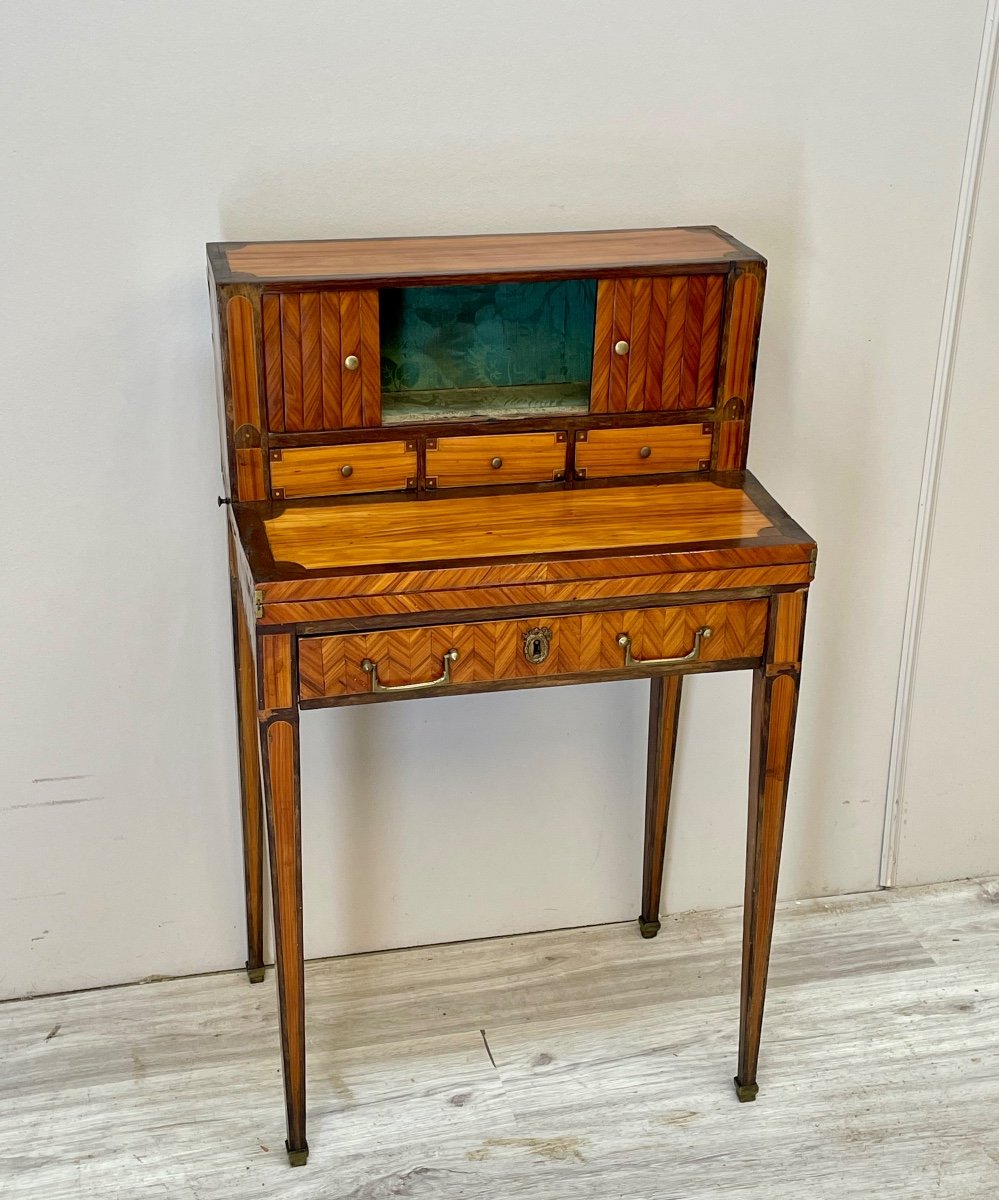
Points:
point(496, 463)
point(351, 362)
point(695, 653)
point(621, 348)
point(445, 678)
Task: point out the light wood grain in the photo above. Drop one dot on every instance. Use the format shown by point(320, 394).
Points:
point(495, 459)
point(276, 690)
point(518, 523)
point(491, 254)
point(318, 470)
point(788, 626)
point(611, 1077)
point(606, 453)
point(491, 650)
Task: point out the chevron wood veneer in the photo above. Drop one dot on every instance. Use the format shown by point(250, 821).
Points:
point(673, 327)
point(457, 550)
point(331, 666)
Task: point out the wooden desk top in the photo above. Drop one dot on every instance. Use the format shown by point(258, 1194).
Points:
point(513, 255)
point(366, 535)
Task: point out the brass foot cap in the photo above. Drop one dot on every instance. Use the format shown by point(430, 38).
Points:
point(648, 929)
point(298, 1158)
point(745, 1091)
point(254, 974)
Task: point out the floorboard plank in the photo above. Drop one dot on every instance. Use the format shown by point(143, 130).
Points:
point(582, 1063)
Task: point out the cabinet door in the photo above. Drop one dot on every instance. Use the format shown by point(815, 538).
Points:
point(321, 360)
point(656, 343)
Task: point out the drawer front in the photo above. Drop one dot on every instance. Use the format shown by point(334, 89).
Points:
point(646, 450)
point(500, 458)
point(541, 647)
point(341, 470)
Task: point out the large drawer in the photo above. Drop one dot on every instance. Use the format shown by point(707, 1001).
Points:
point(642, 450)
point(482, 652)
point(495, 458)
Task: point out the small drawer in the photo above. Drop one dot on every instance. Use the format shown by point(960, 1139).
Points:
point(636, 641)
point(341, 470)
point(499, 458)
point(646, 450)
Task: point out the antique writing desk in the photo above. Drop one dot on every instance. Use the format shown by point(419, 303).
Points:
point(462, 464)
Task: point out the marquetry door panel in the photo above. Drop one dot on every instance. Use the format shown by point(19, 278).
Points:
point(495, 650)
point(656, 343)
point(321, 360)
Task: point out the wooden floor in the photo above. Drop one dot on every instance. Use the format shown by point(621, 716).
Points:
point(586, 1063)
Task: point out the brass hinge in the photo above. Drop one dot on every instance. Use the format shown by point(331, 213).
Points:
point(258, 603)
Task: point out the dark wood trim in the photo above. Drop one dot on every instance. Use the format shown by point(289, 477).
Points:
point(251, 793)
point(282, 789)
point(517, 685)
point(468, 427)
point(664, 720)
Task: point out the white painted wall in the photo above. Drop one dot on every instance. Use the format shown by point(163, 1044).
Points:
point(950, 813)
point(829, 137)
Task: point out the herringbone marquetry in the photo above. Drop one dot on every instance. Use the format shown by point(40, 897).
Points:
point(306, 337)
point(672, 327)
point(494, 650)
point(681, 582)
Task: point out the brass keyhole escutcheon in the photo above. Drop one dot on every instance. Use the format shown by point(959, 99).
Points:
point(537, 644)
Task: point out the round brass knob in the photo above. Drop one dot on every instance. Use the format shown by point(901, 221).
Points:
point(496, 464)
point(645, 452)
point(346, 470)
point(351, 362)
point(621, 347)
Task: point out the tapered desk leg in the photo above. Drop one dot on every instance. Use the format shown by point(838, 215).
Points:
point(251, 802)
point(279, 745)
point(775, 702)
point(664, 714)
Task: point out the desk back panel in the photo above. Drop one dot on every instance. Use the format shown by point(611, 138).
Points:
point(501, 348)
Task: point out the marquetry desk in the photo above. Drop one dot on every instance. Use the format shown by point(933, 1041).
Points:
point(463, 464)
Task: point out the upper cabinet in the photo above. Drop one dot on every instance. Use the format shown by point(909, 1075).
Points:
point(427, 364)
point(350, 359)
